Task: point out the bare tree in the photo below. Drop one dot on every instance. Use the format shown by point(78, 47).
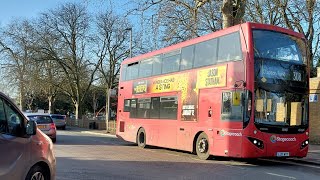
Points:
point(179, 19)
point(48, 79)
point(112, 48)
point(16, 45)
point(267, 12)
point(68, 26)
point(185, 19)
point(301, 16)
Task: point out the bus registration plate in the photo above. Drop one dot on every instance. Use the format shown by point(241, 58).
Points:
point(283, 154)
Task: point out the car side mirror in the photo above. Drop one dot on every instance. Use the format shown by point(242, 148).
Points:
point(31, 128)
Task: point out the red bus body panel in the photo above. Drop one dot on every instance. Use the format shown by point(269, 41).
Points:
point(226, 138)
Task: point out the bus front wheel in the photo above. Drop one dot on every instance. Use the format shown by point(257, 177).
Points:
point(202, 146)
point(141, 138)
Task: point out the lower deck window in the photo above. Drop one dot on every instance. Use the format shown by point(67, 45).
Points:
point(168, 107)
point(133, 108)
point(154, 108)
point(143, 108)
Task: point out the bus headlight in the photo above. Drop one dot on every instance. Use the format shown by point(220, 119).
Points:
point(257, 142)
point(304, 144)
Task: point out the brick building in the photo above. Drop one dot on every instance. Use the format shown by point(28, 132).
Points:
point(315, 108)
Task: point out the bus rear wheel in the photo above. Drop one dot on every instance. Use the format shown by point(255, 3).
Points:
point(141, 138)
point(202, 146)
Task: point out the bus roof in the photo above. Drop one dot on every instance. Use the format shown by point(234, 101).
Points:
point(247, 25)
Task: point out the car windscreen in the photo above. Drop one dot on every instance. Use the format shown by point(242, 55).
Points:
point(41, 119)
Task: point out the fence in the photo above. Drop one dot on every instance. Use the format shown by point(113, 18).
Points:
point(93, 123)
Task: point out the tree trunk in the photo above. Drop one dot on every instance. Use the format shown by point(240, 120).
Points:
point(21, 100)
point(50, 104)
point(232, 12)
point(94, 103)
point(22, 96)
point(76, 105)
point(107, 108)
point(226, 13)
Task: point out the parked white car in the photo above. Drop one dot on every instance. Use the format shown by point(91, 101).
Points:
point(59, 120)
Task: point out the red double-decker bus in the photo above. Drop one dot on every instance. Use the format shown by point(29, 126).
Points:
point(238, 92)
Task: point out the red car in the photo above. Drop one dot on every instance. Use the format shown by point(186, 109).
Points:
point(45, 124)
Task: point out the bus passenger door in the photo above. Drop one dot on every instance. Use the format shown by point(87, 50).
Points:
point(209, 113)
point(229, 133)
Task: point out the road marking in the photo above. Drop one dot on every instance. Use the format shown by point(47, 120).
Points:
point(292, 163)
point(235, 166)
point(279, 175)
point(101, 134)
point(314, 151)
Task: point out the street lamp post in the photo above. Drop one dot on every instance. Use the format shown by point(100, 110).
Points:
point(130, 29)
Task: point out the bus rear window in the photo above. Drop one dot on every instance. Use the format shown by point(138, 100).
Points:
point(132, 71)
point(126, 107)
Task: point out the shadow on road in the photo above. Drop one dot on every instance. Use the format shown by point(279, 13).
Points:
point(79, 168)
point(87, 139)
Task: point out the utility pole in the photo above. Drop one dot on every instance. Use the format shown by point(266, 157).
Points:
point(130, 29)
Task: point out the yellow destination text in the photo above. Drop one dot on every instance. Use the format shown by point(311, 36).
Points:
point(212, 72)
point(212, 81)
point(140, 88)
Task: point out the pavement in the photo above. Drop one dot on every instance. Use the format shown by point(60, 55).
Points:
point(312, 158)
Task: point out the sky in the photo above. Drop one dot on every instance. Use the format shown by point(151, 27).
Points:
point(12, 9)
point(29, 9)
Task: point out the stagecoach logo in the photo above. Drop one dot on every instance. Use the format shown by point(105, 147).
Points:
point(226, 133)
point(275, 139)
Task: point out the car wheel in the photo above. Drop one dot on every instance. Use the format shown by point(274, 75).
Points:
point(141, 138)
point(202, 146)
point(37, 173)
point(54, 140)
point(64, 128)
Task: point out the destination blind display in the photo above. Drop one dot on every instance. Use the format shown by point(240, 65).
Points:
point(273, 69)
point(140, 87)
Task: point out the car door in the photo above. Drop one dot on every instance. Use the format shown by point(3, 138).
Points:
point(14, 154)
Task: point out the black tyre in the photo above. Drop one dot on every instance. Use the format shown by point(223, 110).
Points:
point(141, 138)
point(54, 140)
point(64, 128)
point(37, 173)
point(202, 146)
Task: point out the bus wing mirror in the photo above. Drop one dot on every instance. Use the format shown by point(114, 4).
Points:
point(239, 83)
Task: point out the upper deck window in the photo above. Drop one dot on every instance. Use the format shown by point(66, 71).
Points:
point(187, 55)
point(229, 48)
point(206, 53)
point(123, 72)
point(278, 46)
point(171, 61)
point(145, 69)
point(156, 66)
point(210, 52)
point(132, 71)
